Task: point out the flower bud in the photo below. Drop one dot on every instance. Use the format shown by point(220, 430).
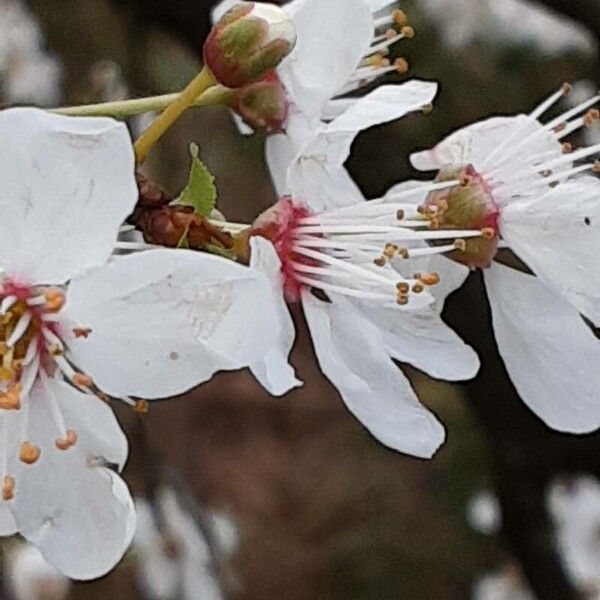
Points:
point(469, 205)
point(262, 105)
point(248, 43)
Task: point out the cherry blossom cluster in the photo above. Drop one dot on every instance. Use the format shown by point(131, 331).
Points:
point(110, 289)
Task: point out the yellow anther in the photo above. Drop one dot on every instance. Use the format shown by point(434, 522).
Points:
point(567, 148)
point(460, 244)
point(29, 453)
point(403, 287)
point(69, 440)
point(380, 262)
point(400, 17)
point(408, 32)
point(81, 332)
point(8, 488)
point(591, 117)
point(55, 299)
point(390, 34)
point(390, 250)
point(82, 380)
point(430, 279)
point(141, 407)
point(488, 233)
point(402, 300)
point(401, 65)
point(11, 399)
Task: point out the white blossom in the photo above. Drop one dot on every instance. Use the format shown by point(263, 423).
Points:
point(519, 179)
point(77, 325)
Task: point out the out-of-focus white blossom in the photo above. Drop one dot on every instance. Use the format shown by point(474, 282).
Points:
point(176, 554)
point(574, 503)
point(504, 584)
point(483, 513)
point(28, 73)
point(507, 22)
point(30, 577)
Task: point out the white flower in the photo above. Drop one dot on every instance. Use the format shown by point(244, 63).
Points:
point(340, 48)
point(174, 555)
point(520, 181)
point(149, 325)
point(377, 308)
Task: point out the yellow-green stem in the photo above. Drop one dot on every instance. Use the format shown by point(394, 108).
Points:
point(183, 101)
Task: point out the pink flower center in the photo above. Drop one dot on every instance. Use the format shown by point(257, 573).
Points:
point(279, 225)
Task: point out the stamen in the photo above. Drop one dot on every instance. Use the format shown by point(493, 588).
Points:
point(141, 407)
point(20, 329)
point(81, 332)
point(7, 304)
point(82, 380)
point(55, 299)
point(68, 441)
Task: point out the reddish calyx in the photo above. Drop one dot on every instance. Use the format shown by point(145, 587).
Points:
point(279, 225)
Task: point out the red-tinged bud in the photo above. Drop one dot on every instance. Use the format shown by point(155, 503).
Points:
point(469, 205)
point(248, 43)
point(262, 105)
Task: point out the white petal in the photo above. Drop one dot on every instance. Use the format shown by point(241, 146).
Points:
point(551, 356)
point(317, 173)
point(332, 38)
point(558, 236)
point(7, 522)
point(474, 143)
point(79, 515)
point(352, 355)
point(164, 321)
point(274, 372)
point(423, 340)
point(218, 12)
point(282, 148)
point(66, 185)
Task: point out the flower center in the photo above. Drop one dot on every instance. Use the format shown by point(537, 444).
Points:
point(469, 205)
point(355, 251)
point(31, 350)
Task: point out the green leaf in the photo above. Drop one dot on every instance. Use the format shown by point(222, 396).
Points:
point(200, 192)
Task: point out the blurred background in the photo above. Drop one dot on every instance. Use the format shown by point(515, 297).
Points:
point(245, 497)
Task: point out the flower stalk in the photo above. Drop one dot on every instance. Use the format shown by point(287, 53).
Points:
point(202, 82)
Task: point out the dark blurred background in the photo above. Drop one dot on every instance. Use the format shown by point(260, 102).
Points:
point(321, 509)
